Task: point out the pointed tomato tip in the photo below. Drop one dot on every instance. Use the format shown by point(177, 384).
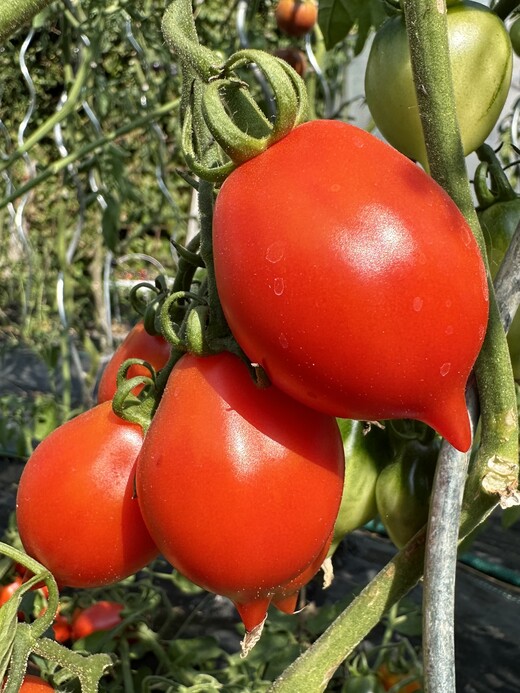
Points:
point(452, 422)
point(287, 604)
point(253, 613)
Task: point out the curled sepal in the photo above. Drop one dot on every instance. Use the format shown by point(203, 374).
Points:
point(126, 404)
point(500, 189)
point(234, 134)
point(148, 307)
point(196, 324)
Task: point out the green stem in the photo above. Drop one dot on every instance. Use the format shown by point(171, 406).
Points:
point(57, 166)
point(15, 13)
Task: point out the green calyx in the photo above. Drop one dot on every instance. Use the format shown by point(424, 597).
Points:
point(223, 126)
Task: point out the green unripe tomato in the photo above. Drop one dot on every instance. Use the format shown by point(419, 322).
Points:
point(514, 35)
point(499, 222)
point(481, 63)
point(365, 455)
point(403, 490)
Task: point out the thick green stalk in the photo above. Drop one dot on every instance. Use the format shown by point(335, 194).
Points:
point(15, 13)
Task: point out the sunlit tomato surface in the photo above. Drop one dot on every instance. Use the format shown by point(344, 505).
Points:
point(238, 485)
point(103, 615)
point(76, 509)
point(296, 17)
point(481, 65)
point(352, 278)
point(138, 344)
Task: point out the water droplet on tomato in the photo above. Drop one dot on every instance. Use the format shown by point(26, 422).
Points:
point(283, 341)
point(449, 329)
point(278, 286)
point(445, 369)
point(275, 252)
point(417, 303)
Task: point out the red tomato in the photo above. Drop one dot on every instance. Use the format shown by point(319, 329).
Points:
point(61, 628)
point(138, 344)
point(352, 278)
point(296, 17)
point(389, 679)
point(239, 486)
point(286, 597)
point(7, 591)
point(34, 684)
point(76, 509)
point(103, 615)
point(293, 57)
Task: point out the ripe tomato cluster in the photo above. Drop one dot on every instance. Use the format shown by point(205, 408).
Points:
point(360, 292)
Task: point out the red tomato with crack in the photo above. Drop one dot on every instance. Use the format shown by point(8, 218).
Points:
point(238, 485)
point(101, 616)
point(352, 278)
point(76, 509)
point(138, 344)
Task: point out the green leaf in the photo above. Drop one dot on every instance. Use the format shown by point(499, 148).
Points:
point(337, 18)
point(110, 223)
point(8, 623)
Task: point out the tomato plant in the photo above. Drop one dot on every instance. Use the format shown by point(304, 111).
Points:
point(238, 485)
point(100, 616)
point(137, 344)
point(76, 508)
point(351, 277)
point(481, 64)
point(296, 17)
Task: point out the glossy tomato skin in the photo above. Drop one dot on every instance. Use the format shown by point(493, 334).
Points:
point(100, 616)
point(238, 485)
point(481, 63)
point(296, 17)
point(138, 344)
point(352, 278)
point(76, 510)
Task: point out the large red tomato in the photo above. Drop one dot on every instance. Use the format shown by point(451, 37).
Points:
point(138, 344)
point(239, 486)
point(352, 278)
point(76, 509)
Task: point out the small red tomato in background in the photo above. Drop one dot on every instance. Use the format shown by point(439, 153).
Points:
point(138, 344)
point(296, 17)
point(239, 486)
point(101, 616)
point(7, 591)
point(352, 278)
point(61, 628)
point(76, 510)
point(293, 57)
